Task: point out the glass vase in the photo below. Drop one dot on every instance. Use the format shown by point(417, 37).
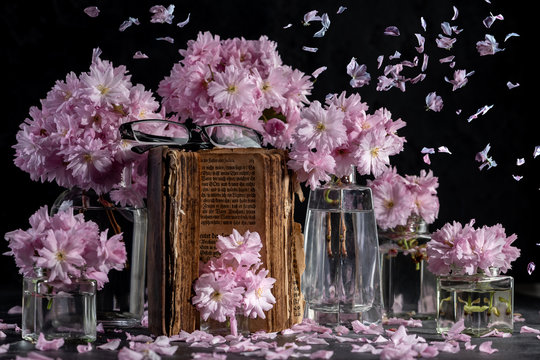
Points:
point(120, 303)
point(56, 310)
point(408, 287)
point(224, 328)
point(484, 301)
point(341, 280)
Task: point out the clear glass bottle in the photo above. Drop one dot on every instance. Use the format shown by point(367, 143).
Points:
point(484, 301)
point(121, 301)
point(341, 280)
point(409, 288)
point(65, 311)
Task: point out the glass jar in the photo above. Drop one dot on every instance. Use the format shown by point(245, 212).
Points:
point(409, 288)
point(59, 310)
point(215, 327)
point(341, 280)
point(120, 303)
point(484, 301)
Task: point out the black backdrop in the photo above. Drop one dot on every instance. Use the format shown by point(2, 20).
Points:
point(44, 40)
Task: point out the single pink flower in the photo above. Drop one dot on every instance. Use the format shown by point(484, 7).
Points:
point(244, 249)
point(216, 298)
point(258, 297)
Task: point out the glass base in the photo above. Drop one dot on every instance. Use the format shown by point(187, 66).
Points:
point(370, 315)
point(485, 303)
point(59, 310)
point(224, 328)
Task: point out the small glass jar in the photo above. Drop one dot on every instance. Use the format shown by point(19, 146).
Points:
point(215, 327)
point(409, 288)
point(484, 301)
point(59, 310)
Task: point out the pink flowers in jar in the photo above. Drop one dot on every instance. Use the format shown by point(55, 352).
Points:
point(462, 249)
point(396, 198)
point(234, 282)
point(65, 246)
point(237, 81)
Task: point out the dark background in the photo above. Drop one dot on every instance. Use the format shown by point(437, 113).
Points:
point(44, 40)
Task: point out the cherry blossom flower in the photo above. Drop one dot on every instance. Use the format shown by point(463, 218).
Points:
point(392, 204)
point(321, 128)
point(258, 298)
point(244, 249)
point(216, 298)
point(460, 250)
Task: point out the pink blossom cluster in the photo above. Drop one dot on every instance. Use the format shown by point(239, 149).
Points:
point(73, 137)
point(332, 138)
point(234, 281)
point(65, 246)
point(396, 198)
point(237, 81)
point(462, 249)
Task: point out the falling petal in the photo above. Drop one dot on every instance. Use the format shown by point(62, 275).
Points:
point(396, 55)
point(530, 267)
point(517, 177)
point(380, 60)
point(318, 71)
point(311, 16)
point(425, 62)
point(392, 31)
point(167, 38)
point(446, 28)
point(128, 23)
point(140, 55)
point(15, 310)
point(341, 9)
point(456, 13)
point(309, 49)
point(536, 151)
point(444, 149)
point(511, 86)
point(510, 35)
point(491, 19)
point(359, 75)
point(520, 161)
point(434, 102)
point(423, 23)
point(287, 26)
point(184, 23)
point(421, 43)
point(426, 159)
point(458, 111)
point(482, 111)
point(447, 59)
point(92, 11)
point(426, 150)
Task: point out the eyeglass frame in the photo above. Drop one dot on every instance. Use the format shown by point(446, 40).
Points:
point(194, 143)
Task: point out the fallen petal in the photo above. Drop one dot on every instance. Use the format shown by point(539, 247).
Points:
point(486, 347)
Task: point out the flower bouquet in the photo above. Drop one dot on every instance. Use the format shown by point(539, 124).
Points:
point(232, 286)
point(404, 206)
point(64, 260)
point(469, 262)
point(73, 139)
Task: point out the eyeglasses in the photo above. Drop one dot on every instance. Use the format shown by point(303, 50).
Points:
point(156, 132)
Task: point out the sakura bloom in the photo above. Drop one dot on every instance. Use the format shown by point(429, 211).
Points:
point(233, 282)
point(397, 198)
point(237, 81)
point(73, 138)
point(332, 138)
point(66, 246)
point(462, 249)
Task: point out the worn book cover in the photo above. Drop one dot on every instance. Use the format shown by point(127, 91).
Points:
point(195, 196)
